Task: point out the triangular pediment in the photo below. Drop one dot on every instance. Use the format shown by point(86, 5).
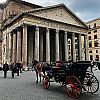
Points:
point(59, 13)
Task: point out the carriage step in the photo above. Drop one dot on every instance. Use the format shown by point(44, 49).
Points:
point(52, 81)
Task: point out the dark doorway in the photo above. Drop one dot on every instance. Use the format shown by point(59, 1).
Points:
point(62, 45)
point(52, 45)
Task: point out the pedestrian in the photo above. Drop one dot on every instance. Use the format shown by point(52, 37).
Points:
point(17, 65)
point(21, 66)
point(5, 69)
point(1, 67)
point(13, 69)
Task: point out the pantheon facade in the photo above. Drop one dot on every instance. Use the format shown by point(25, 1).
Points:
point(31, 31)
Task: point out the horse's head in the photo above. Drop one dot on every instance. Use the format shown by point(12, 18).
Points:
point(34, 62)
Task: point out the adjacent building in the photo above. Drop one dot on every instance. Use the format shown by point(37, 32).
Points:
point(94, 39)
point(31, 31)
point(1, 20)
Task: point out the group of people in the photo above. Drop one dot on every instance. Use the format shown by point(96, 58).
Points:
point(14, 67)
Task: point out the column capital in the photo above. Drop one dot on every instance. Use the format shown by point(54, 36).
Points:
point(47, 28)
point(37, 28)
point(18, 29)
point(14, 32)
point(66, 32)
point(24, 25)
point(79, 35)
point(57, 30)
point(86, 36)
point(73, 34)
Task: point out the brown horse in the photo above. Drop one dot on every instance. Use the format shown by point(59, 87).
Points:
point(39, 67)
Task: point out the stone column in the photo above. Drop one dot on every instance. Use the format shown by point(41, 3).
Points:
point(24, 49)
point(86, 47)
point(79, 47)
point(41, 46)
point(7, 47)
point(47, 46)
point(10, 40)
point(57, 45)
point(66, 47)
point(36, 55)
point(73, 47)
point(18, 45)
point(30, 48)
point(14, 47)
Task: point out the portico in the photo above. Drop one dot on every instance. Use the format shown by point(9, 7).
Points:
point(44, 39)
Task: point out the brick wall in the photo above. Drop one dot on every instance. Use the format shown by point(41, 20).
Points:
point(14, 8)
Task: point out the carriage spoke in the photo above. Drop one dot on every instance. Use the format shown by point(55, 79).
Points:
point(94, 87)
point(73, 87)
point(91, 85)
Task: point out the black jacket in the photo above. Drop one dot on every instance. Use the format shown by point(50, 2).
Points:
point(5, 67)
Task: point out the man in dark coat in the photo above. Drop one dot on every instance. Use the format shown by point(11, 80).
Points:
point(13, 69)
point(5, 69)
point(21, 67)
point(17, 68)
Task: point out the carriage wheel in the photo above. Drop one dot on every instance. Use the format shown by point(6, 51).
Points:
point(46, 82)
point(91, 83)
point(73, 87)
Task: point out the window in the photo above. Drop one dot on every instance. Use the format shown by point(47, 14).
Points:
point(75, 40)
point(97, 58)
point(90, 51)
point(69, 42)
point(94, 25)
point(91, 57)
point(95, 31)
point(89, 32)
point(90, 44)
point(69, 47)
point(95, 36)
point(76, 46)
point(96, 51)
point(89, 26)
point(89, 37)
point(95, 43)
point(69, 57)
point(4, 50)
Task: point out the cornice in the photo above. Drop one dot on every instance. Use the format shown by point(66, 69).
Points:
point(34, 16)
point(93, 20)
point(22, 2)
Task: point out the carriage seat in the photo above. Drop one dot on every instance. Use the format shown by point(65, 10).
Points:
point(60, 67)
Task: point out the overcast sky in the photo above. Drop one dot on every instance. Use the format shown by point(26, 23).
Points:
point(86, 10)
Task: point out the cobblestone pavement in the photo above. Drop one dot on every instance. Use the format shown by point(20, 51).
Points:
point(23, 87)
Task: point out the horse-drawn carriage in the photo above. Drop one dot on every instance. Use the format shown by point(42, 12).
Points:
point(73, 76)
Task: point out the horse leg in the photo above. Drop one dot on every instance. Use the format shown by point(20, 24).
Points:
point(40, 77)
point(37, 77)
point(43, 73)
